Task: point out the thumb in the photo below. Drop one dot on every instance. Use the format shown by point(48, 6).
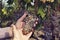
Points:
point(14, 27)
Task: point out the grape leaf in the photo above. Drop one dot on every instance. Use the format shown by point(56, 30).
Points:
point(41, 12)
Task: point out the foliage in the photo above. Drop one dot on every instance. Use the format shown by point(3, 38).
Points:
point(11, 6)
point(48, 12)
point(45, 10)
point(8, 8)
point(41, 12)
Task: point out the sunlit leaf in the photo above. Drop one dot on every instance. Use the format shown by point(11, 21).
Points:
point(4, 11)
point(41, 12)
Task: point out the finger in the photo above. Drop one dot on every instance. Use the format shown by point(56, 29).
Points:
point(21, 19)
point(28, 35)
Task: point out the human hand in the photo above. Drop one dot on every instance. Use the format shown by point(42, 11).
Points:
point(17, 29)
point(18, 35)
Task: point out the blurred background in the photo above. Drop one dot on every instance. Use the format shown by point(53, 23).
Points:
point(48, 12)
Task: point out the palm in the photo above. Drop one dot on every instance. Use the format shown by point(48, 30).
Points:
point(18, 35)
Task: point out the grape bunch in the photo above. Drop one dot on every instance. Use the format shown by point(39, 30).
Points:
point(29, 20)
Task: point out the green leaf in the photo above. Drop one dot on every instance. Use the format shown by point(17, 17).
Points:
point(10, 1)
point(41, 12)
point(30, 8)
point(4, 11)
point(27, 1)
point(16, 4)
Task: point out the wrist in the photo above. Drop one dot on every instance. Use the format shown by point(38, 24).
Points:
point(10, 32)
